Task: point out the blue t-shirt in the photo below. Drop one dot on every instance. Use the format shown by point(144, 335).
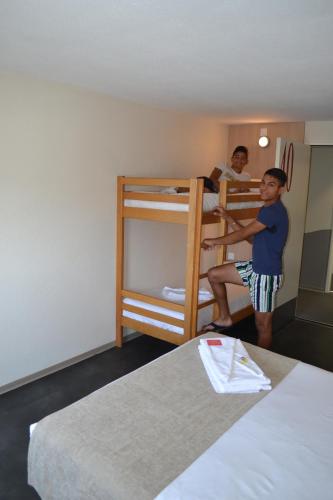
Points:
point(268, 244)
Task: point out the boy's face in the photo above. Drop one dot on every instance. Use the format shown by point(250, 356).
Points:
point(238, 161)
point(270, 189)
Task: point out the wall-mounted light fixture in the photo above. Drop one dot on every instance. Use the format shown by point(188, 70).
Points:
point(263, 139)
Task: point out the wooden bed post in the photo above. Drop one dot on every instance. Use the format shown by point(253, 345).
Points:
point(222, 230)
point(193, 258)
point(119, 261)
point(223, 226)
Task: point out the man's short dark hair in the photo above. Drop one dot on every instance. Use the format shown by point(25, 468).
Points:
point(209, 184)
point(279, 174)
point(241, 149)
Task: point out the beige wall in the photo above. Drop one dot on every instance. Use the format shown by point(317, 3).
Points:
point(260, 159)
point(62, 148)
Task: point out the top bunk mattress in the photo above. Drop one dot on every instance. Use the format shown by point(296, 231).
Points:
point(210, 201)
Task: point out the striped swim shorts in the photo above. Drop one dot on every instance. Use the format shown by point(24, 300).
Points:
point(263, 287)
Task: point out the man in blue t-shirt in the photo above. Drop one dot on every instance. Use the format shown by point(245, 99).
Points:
point(263, 274)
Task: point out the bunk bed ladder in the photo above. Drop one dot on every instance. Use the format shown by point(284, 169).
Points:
point(223, 229)
point(193, 258)
point(119, 260)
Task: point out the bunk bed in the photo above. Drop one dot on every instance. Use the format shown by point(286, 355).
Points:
point(149, 312)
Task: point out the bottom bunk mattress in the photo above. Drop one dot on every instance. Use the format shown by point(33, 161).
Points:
point(135, 436)
point(238, 298)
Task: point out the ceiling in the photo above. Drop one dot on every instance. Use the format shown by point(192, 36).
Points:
point(238, 60)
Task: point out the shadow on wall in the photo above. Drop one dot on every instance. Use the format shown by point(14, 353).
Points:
point(316, 251)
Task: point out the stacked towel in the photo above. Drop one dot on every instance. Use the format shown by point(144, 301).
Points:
point(230, 368)
point(179, 294)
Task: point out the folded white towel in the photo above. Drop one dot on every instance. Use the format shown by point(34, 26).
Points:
point(179, 293)
point(229, 366)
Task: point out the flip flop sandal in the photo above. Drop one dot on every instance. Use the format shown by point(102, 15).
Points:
point(216, 328)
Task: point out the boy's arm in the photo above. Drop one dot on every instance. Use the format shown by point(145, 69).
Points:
point(235, 225)
point(215, 174)
point(239, 235)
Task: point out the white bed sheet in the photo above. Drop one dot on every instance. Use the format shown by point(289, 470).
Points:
point(238, 298)
point(210, 200)
point(282, 448)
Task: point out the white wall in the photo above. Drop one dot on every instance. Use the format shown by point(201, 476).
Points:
point(317, 262)
point(320, 197)
point(62, 148)
point(318, 133)
point(295, 203)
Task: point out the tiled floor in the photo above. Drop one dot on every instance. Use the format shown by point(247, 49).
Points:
point(308, 342)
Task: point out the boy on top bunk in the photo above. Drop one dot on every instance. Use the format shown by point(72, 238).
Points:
point(263, 273)
point(235, 172)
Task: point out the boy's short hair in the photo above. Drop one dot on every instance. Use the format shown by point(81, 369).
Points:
point(241, 149)
point(209, 184)
point(279, 174)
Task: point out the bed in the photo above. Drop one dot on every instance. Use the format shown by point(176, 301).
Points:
point(193, 209)
point(157, 432)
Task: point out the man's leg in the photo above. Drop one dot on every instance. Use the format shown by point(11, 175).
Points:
point(217, 277)
point(263, 289)
point(264, 328)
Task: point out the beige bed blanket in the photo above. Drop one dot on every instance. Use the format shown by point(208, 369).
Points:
point(131, 438)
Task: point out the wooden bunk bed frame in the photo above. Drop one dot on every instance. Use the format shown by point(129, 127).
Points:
point(194, 219)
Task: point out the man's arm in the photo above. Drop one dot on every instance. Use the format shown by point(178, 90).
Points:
point(235, 225)
point(229, 239)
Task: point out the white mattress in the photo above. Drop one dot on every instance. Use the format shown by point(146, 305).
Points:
point(282, 448)
point(238, 298)
point(210, 201)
